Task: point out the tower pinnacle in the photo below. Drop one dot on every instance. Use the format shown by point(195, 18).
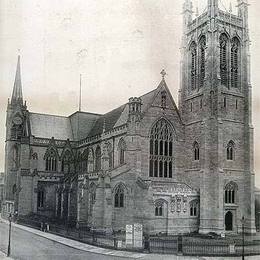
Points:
point(212, 8)
point(17, 96)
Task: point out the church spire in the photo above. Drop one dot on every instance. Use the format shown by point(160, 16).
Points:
point(17, 96)
point(212, 8)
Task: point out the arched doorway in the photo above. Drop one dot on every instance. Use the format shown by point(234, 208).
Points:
point(229, 221)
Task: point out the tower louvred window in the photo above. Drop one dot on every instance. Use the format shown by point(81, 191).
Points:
point(223, 60)
point(161, 146)
point(202, 60)
point(234, 63)
point(193, 72)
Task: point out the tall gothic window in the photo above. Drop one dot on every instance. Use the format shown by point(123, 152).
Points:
point(121, 150)
point(161, 150)
point(230, 193)
point(84, 160)
point(119, 197)
point(98, 158)
point(196, 150)
point(110, 155)
point(67, 162)
point(193, 71)
point(51, 160)
point(230, 151)
point(223, 59)
point(202, 60)
point(234, 63)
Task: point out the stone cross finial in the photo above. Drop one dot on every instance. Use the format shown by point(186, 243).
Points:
point(163, 73)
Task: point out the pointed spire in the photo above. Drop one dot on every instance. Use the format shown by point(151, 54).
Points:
point(212, 8)
point(17, 96)
point(230, 7)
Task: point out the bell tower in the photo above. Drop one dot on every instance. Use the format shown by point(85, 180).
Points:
point(215, 104)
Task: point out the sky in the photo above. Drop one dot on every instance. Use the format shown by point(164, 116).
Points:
point(119, 47)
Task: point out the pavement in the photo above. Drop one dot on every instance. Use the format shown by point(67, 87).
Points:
point(30, 244)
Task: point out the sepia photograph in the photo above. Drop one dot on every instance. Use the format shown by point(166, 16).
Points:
point(129, 129)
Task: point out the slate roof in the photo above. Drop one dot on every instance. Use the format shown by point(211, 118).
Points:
point(59, 127)
point(108, 120)
point(48, 126)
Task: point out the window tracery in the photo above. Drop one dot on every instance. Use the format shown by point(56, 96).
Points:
point(51, 160)
point(119, 197)
point(230, 193)
point(121, 149)
point(161, 150)
point(98, 158)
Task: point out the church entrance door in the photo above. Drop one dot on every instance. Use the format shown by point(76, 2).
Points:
point(229, 221)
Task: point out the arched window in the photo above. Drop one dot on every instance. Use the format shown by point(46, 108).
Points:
point(67, 162)
point(110, 155)
point(98, 158)
point(51, 160)
point(90, 166)
point(202, 60)
point(161, 150)
point(193, 69)
point(158, 209)
point(196, 150)
point(223, 59)
point(119, 197)
point(121, 150)
point(84, 160)
point(163, 99)
point(230, 193)
point(235, 51)
point(194, 208)
point(231, 151)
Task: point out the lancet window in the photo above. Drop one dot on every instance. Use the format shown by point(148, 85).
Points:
point(193, 71)
point(235, 63)
point(224, 60)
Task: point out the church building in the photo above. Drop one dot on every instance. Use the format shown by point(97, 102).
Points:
point(173, 168)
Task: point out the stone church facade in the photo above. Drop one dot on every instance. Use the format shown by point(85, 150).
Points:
point(174, 169)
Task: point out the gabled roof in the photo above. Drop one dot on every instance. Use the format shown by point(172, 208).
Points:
point(107, 121)
point(48, 126)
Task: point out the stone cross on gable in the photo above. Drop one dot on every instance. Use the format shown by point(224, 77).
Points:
point(163, 73)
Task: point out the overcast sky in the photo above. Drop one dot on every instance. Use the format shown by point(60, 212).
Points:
point(120, 47)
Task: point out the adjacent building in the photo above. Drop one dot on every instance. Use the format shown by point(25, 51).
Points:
point(174, 169)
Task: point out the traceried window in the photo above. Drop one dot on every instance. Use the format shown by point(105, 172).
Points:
point(194, 208)
point(51, 160)
point(161, 150)
point(223, 59)
point(202, 60)
point(98, 158)
point(193, 69)
point(121, 151)
point(230, 193)
point(158, 209)
point(119, 197)
point(231, 151)
point(67, 162)
point(196, 150)
point(235, 52)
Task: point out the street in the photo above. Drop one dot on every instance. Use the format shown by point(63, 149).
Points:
point(26, 245)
